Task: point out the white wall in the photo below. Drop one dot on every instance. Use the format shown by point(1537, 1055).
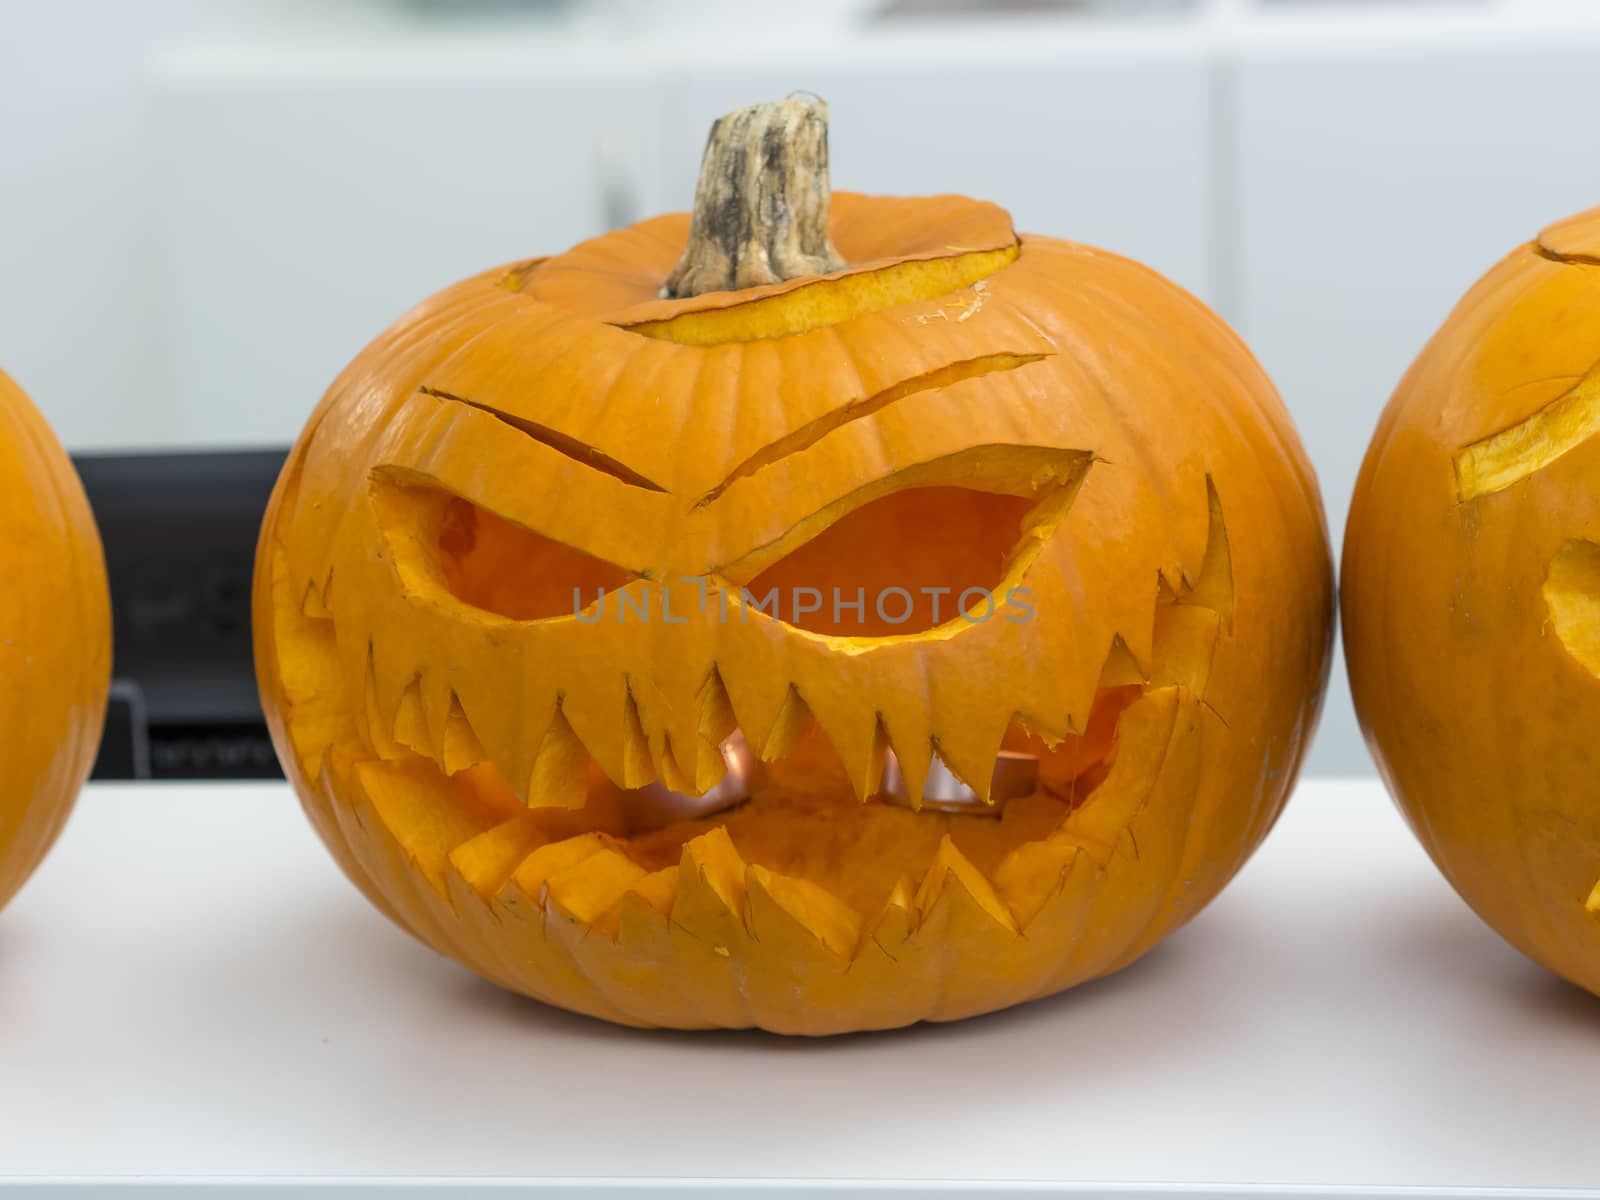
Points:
point(79, 271)
point(218, 203)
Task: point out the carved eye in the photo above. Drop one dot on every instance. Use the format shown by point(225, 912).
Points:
point(502, 568)
point(440, 540)
point(899, 564)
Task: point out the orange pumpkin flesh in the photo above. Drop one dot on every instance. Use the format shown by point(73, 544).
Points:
point(958, 408)
point(55, 638)
point(1472, 597)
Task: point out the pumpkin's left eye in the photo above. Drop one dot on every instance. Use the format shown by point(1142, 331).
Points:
point(903, 563)
point(502, 568)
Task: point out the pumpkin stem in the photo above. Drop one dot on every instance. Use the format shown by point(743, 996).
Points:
point(761, 203)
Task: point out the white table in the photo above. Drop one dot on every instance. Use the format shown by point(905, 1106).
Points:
point(190, 991)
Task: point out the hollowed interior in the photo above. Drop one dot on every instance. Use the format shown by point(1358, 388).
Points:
point(502, 568)
point(802, 818)
point(900, 564)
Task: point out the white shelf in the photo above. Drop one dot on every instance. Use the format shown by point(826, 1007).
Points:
point(189, 990)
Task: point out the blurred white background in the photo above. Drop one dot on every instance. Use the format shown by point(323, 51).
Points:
point(207, 206)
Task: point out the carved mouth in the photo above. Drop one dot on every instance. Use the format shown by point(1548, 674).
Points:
point(796, 814)
point(1068, 771)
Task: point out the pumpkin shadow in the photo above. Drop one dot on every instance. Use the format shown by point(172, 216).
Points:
point(1450, 941)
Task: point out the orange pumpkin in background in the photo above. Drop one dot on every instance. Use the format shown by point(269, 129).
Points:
point(898, 621)
point(1472, 597)
point(55, 638)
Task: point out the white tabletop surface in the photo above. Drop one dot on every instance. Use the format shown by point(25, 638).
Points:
point(188, 988)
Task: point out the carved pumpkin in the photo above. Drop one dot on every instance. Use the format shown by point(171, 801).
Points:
point(1472, 597)
point(952, 625)
point(55, 638)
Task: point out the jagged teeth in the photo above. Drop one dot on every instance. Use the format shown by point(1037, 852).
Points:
point(861, 749)
point(638, 766)
point(970, 750)
point(588, 892)
point(659, 889)
point(715, 725)
point(560, 776)
point(897, 920)
point(554, 858)
point(486, 862)
point(954, 880)
point(776, 899)
point(1031, 874)
point(604, 717)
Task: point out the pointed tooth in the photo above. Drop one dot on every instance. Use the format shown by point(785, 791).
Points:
point(1213, 587)
point(560, 776)
point(1030, 875)
point(859, 739)
point(638, 768)
point(379, 720)
point(716, 722)
point(971, 748)
point(790, 725)
point(461, 749)
point(1144, 736)
point(897, 920)
point(717, 719)
point(710, 900)
point(410, 726)
point(486, 862)
point(769, 709)
point(513, 735)
point(679, 719)
point(952, 879)
point(535, 871)
point(1192, 517)
point(313, 605)
point(588, 892)
point(1085, 615)
point(1186, 637)
point(394, 670)
point(675, 776)
point(1121, 668)
point(776, 900)
point(654, 710)
point(602, 715)
point(659, 889)
point(913, 751)
point(425, 821)
point(437, 698)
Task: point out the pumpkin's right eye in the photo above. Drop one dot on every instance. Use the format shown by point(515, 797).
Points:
point(903, 563)
point(503, 568)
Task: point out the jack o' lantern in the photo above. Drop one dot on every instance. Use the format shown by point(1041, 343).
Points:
point(55, 638)
point(876, 618)
point(1472, 597)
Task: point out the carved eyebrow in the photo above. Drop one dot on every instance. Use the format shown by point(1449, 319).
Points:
point(1494, 463)
point(561, 443)
point(815, 430)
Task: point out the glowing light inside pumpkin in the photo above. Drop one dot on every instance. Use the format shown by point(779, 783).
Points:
point(656, 805)
point(1015, 775)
